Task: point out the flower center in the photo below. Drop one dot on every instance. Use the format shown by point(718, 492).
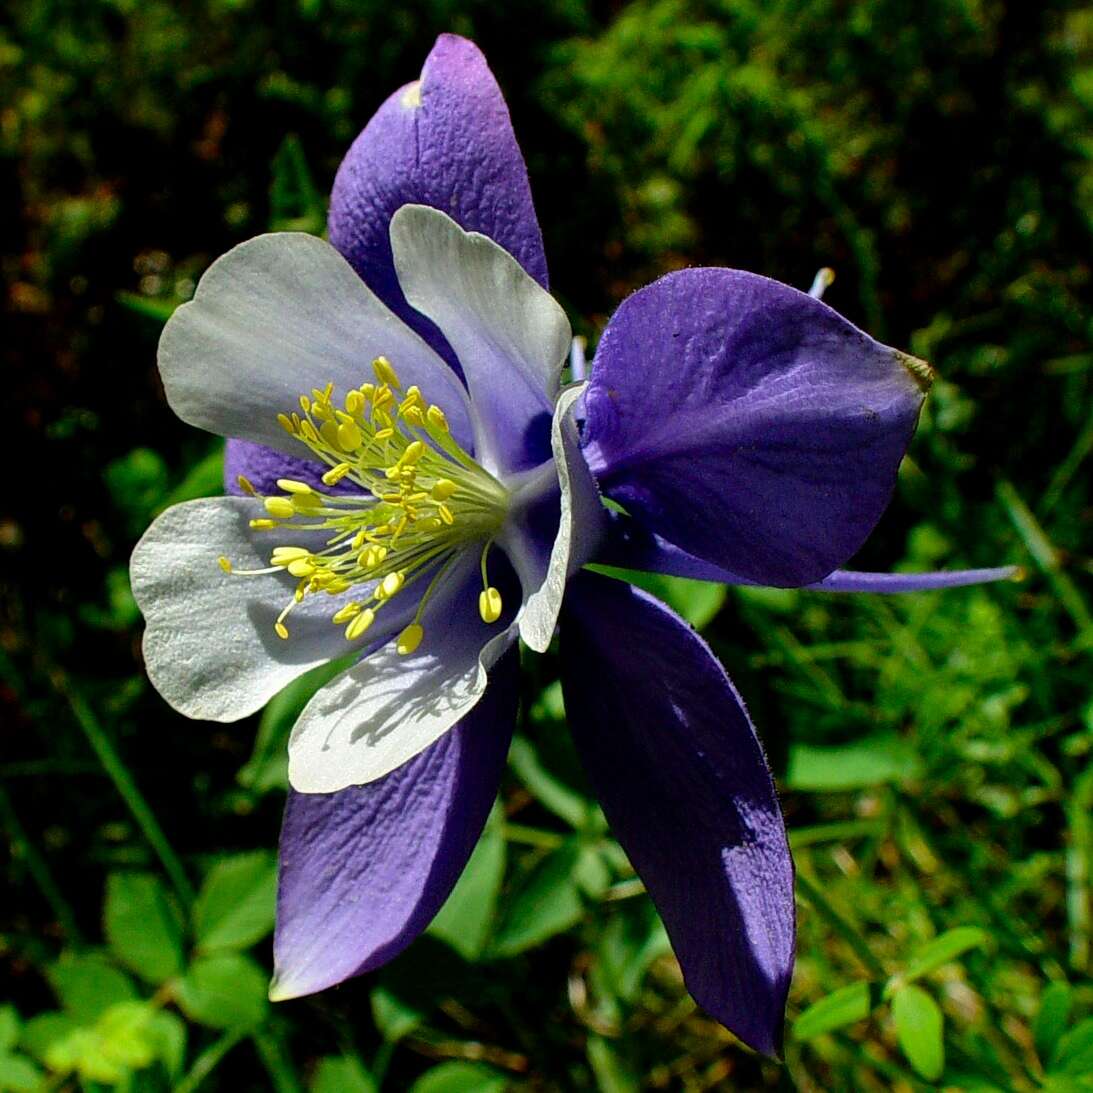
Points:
point(421, 498)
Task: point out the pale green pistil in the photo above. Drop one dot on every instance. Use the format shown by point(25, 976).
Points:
point(422, 499)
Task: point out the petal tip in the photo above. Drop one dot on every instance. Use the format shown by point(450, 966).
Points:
point(918, 369)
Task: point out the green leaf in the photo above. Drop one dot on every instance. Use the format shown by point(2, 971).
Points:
point(836, 1010)
point(167, 1032)
point(1073, 1054)
point(394, 1017)
point(9, 1028)
point(633, 939)
point(42, 1032)
point(88, 985)
point(236, 905)
point(460, 1077)
point(342, 1075)
point(224, 990)
point(943, 949)
point(126, 1037)
point(18, 1075)
point(546, 903)
point(611, 1073)
point(552, 793)
point(142, 927)
point(466, 918)
point(871, 761)
point(1051, 1020)
point(919, 1029)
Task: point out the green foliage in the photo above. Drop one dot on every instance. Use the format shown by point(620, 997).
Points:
point(932, 751)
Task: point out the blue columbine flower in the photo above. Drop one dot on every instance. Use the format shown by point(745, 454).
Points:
point(413, 485)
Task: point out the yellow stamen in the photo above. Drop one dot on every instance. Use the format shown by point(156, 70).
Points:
point(409, 639)
point(385, 373)
point(281, 507)
point(489, 604)
point(290, 485)
point(359, 624)
point(282, 630)
point(246, 486)
point(224, 563)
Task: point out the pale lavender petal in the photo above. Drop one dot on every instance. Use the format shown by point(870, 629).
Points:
point(629, 546)
point(445, 140)
point(674, 759)
point(749, 423)
point(364, 870)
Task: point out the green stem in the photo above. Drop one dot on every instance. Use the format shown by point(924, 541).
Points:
point(277, 1067)
point(840, 925)
point(22, 847)
point(207, 1061)
point(123, 781)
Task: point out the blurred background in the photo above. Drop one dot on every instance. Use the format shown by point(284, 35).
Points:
point(933, 752)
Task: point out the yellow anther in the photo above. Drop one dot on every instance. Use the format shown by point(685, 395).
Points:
point(349, 436)
point(282, 555)
point(224, 563)
point(409, 639)
point(328, 431)
point(281, 629)
point(385, 434)
point(414, 451)
point(368, 390)
point(429, 524)
point(442, 489)
point(385, 373)
point(359, 624)
point(301, 567)
point(281, 507)
point(381, 397)
point(391, 584)
point(445, 514)
point(286, 423)
point(309, 432)
point(414, 416)
point(349, 611)
point(489, 604)
point(245, 485)
point(305, 404)
point(337, 586)
point(436, 418)
point(321, 411)
point(336, 474)
point(291, 485)
point(354, 402)
point(263, 524)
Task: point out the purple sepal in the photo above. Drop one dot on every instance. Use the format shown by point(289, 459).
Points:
point(445, 141)
point(628, 546)
point(675, 762)
point(749, 423)
point(363, 871)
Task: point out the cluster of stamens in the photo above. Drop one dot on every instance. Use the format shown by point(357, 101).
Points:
point(420, 499)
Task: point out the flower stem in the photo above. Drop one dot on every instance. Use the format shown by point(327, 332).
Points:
point(123, 781)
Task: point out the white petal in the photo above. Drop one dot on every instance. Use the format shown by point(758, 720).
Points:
point(580, 525)
point(209, 646)
point(509, 333)
point(275, 317)
point(387, 708)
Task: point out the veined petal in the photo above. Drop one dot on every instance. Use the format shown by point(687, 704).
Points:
point(748, 423)
point(445, 140)
point(275, 317)
point(675, 762)
point(581, 522)
point(209, 647)
point(629, 546)
point(364, 870)
point(388, 707)
point(509, 334)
